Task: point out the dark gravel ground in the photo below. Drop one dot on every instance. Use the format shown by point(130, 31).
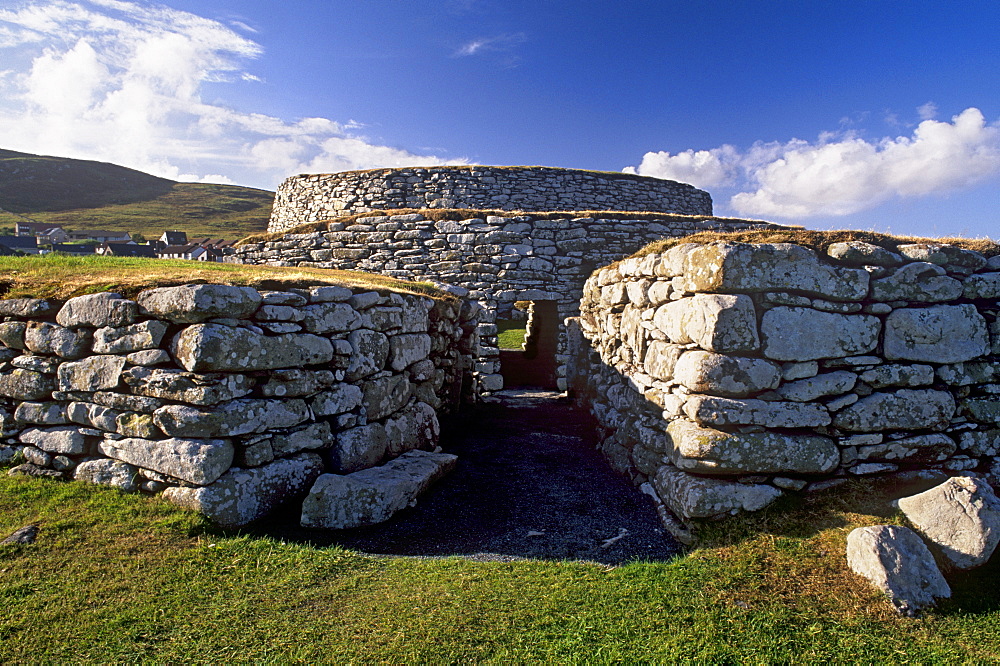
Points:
point(529, 484)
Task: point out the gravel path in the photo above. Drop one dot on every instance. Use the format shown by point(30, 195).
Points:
point(529, 484)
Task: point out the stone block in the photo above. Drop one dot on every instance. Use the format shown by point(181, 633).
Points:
point(95, 373)
point(67, 440)
point(194, 303)
point(918, 282)
point(128, 339)
point(330, 317)
point(358, 448)
point(661, 359)
point(313, 436)
point(337, 400)
point(97, 310)
point(936, 334)
point(241, 496)
point(728, 376)
point(373, 495)
point(905, 409)
point(107, 472)
point(189, 387)
point(370, 352)
point(197, 461)
point(22, 384)
point(923, 449)
point(804, 334)
point(408, 348)
point(689, 496)
point(960, 518)
point(385, 396)
point(212, 347)
point(709, 451)
point(710, 410)
point(44, 338)
point(229, 419)
point(820, 386)
point(897, 562)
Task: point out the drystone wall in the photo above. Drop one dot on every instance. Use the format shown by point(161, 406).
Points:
point(725, 375)
point(227, 399)
point(314, 198)
point(492, 260)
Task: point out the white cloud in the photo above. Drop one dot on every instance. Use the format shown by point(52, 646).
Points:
point(122, 82)
point(840, 174)
point(927, 111)
point(481, 45)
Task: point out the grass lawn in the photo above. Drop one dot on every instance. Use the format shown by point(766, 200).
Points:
point(129, 578)
point(510, 333)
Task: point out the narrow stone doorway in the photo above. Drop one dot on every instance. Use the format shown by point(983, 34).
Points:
point(534, 364)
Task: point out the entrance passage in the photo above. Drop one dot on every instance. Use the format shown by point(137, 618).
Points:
point(529, 483)
point(534, 364)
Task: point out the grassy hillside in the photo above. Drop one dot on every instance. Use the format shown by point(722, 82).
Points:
point(81, 194)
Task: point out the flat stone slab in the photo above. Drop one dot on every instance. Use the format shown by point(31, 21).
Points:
point(241, 496)
point(804, 334)
point(213, 347)
point(197, 461)
point(895, 560)
point(689, 496)
point(193, 303)
point(937, 334)
point(373, 495)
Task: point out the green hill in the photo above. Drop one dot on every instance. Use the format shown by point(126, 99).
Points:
point(82, 194)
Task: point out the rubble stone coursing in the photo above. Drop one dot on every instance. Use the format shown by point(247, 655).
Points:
point(725, 375)
point(313, 198)
point(491, 260)
point(227, 399)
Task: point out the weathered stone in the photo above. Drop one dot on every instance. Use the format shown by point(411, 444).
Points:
point(918, 282)
point(358, 448)
point(661, 359)
point(330, 318)
point(41, 413)
point(937, 334)
point(149, 357)
point(12, 334)
point(415, 428)
point(228, 419)
point(722, 322)
point(408, 348)
point(97, 310)
point(710, 410)
point(898, 375)
point(689, 496)
point(107, 472)
point(731, 376)
point(222, 348)
point(194, 303)
point(241, 496)
point(743, 267)
point(313, 436)
point(141, 426)
point(296, 383)
point(710, 451)
point(43, 364)
point(197, 461)
point(93, 416)
point(799, 370)
point(944, 255)
point(919, 449)
point(385, 396)
point(906, 409)
point(370, 353)
point(95, 373)
point(127, 339)
point(980, 442)
point(189, 387)
point(24, 307)
point(254, 452)
point(984, 285)
point(803, 334)
point(373, 495)
point(858, 253)
point(820, 386)
point(126, 402)
point(67, 440)
point(329, 294)
point(960, 518)
point(965, 374)
point(337, 400)
point(43, 338)
point(33, 470)
point(983, 410)
point(896, 561)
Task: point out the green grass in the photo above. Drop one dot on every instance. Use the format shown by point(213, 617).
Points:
point(511, 333)
point(116, 578)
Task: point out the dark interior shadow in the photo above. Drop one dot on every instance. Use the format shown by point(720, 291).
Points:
point(529, 484)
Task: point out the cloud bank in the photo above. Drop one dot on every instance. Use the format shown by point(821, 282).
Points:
point(123, 82)
point(841, 174)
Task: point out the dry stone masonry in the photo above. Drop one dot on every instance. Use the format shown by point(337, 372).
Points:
point(493, 261)
point(314, 198)
point(230, 400)
point(724, 375)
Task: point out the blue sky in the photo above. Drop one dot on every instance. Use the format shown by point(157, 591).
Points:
point(872, 115)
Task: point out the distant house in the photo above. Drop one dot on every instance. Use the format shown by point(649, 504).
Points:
point(126, 250)
point(100, 236)
point(54, 232)
point(26, 244)
point(174, 238)
point(191, 252)
point(74, 248)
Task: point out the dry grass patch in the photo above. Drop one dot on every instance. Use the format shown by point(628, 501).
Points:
point(61, 277)
point(817, 240)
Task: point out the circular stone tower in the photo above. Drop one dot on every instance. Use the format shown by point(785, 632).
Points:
point(312, 198)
